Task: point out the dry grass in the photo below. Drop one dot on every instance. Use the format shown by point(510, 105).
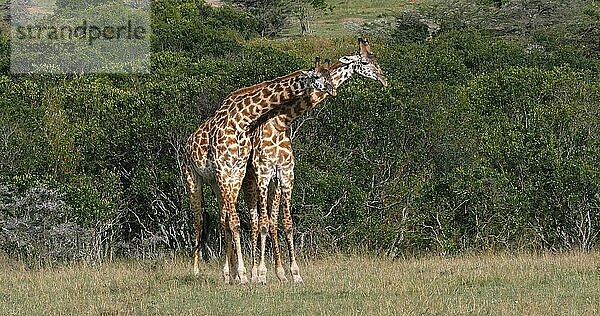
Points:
point(337, 285)
point(345, 13)
point(334, 32)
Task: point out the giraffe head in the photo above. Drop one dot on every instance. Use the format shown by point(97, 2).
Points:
point(319, 78)
point(365, 63)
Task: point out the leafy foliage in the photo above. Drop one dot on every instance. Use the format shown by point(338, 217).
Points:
point(484, 140)
point(275, 15)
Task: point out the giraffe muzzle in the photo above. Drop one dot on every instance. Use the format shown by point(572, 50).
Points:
point(383, 80)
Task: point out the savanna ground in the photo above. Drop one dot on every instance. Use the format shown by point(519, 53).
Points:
point(525, 284)
point(345, 15)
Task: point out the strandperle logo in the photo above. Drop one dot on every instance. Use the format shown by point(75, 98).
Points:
point(77, 37)
point(84, 31)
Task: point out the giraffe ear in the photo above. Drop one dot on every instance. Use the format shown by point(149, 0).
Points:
point(349, 59)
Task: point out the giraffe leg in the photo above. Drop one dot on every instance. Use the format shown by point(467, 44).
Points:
point(251, 197)
point(229, 259)
point(263, 189)
point(230, 271)
point(194, 188)
point(228, 250)
point(274, 199)
point(230, 193)
point(234, 226)
point(286, 200)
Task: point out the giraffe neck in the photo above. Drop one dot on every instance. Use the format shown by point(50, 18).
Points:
point(289, 112)
point(245, 106)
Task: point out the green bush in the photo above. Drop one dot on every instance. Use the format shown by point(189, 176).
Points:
point(198, 29)
point(483, 140)
point(519, 184)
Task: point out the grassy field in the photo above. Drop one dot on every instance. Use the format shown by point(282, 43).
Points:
point(345, 14)
point(334, 32)
point(337, 285)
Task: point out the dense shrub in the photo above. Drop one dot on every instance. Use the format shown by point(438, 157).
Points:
point(272, 15)
point(35, 225)
point(484, 140)
point(514, 185)
point(197, 29)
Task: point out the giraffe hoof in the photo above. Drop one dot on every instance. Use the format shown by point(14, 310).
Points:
point(262, 275)
point(262, 279)
point(243, 279)
point(298, 279)
point(281, 275)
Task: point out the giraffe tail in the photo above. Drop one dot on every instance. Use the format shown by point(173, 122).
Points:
point(204, 236)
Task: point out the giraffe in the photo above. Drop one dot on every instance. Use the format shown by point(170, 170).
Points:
point(270, 174)
point(217, 154)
